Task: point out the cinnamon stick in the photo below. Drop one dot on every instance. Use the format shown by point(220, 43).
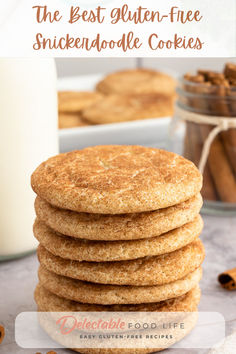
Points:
point(229, 136)
point(229, 141)
point(228, 279)
point(208, 190)
point(230, 74)
point(197, 100)
point(187, 142)
point(2, 333)
point(193, 149)
point(230, 70)
point(225, 109)
point(208, 74)
point(232, 100)
point(219, 105)
point(220, 168)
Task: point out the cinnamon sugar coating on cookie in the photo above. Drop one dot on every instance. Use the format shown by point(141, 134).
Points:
point(131, 226)
point(116, 179)
point(47, 301)
point(97, 251)
point(91, 293)
point(156, 270)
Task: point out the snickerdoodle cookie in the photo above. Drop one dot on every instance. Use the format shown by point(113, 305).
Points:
point(116, 179)
point(71, 120)
point(91, 293)
point(155, 270)
point(137, 81)
point(184, 307)
point(123, 108)
point(75, 101)
point(48, 301)
point(131, 226)
point(97, 251)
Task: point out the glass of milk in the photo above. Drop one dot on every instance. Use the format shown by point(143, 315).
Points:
point(28, 136)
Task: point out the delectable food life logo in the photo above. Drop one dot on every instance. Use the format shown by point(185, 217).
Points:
point(118, 329)
point(69, 323)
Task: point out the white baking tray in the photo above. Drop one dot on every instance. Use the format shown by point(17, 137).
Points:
point(148, 132)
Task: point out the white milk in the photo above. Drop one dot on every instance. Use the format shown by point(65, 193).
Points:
point(28, 136)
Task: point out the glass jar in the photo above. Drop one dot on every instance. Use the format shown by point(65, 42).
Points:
point(199, 107)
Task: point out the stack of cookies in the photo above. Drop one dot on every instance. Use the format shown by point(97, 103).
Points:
point(119, 230)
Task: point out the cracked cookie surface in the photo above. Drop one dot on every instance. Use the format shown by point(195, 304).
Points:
point(97, 251)
point(156, 270)
point(116, 179)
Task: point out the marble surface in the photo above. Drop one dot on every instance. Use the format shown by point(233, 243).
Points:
point(19, 277)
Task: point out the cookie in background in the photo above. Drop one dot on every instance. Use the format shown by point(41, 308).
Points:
point(71, 120)
point(137, 81)
point(123, 108)
point(121, 96)
point(70, 105)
